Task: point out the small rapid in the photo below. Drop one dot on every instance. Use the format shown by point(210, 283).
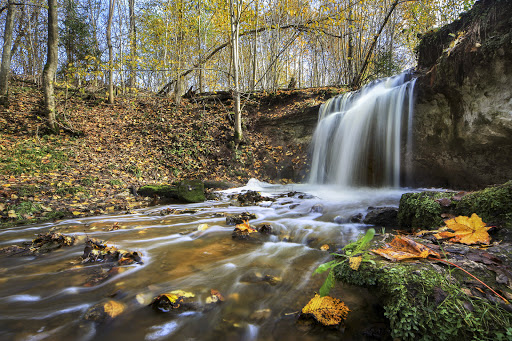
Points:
point(45, 297)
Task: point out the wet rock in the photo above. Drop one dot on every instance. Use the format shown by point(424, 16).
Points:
point(104, 312)
point(382, 216)
point(318, 208)
point(96, 251)
point(174, 301)
point(356, 218)
point(251, 198)
point(264, 228)
point(244, 232)
point(236, 219)
point(14, 250)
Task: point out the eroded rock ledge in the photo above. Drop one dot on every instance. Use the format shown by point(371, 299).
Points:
point(463, 116)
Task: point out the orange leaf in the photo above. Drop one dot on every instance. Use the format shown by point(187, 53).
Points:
point(466, 230)
point(402, 248)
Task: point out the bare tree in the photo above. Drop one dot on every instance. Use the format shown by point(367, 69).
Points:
point(235, 10)
point(51, 64)
point(5, 67)
point(133, 44)
point(110, 52)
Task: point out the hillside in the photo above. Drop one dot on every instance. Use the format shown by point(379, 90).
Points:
point(104, 152)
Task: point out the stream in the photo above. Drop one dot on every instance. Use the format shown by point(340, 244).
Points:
point(45, 297)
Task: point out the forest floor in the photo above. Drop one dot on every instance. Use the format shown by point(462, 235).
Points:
point(104, 151)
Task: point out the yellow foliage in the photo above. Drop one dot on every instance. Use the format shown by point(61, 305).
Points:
point(326, 310)
point(466, 230)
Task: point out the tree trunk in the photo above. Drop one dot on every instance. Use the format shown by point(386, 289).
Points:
point(356, 83)
point(235, 9)
point(110, 53)
point(5, 67)
point(51, 64)
point(133, 45)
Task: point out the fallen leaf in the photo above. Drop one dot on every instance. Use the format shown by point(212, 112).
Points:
point(327, 310)
point(324, 247)
point(202, 227)
point(402, 248)
point(466, 230)
point(355, 262)
point(217, 293)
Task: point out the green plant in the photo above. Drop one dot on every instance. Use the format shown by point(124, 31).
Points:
point(28, 157)
point(115, 182)
point(25, 208)
point(354, 249)
point(88, 181)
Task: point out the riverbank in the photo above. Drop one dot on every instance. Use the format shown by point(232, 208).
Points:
point(104, 153)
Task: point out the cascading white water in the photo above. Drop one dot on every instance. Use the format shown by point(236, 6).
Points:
point(358, 138)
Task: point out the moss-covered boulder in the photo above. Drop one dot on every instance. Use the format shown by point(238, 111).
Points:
point(425, 210)
point(427, 300)
point(191, 191)
point(421, 210)
point(493, 205)
point(163, 191)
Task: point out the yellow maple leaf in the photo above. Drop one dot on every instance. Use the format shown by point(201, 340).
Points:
point(245, 227)
point(402, 248)
point(327, 310)
point(466, 230)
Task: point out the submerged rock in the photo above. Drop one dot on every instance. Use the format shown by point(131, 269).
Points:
point(104, 312)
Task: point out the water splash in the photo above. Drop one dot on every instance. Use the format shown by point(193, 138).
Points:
point(359, 137)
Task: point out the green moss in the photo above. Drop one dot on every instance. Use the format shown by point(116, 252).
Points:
point(493, 204)
point(164, 191)
point(420, 210)
point(191, 191)
point(422, 304)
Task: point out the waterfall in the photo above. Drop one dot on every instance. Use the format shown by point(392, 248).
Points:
point(359, 137)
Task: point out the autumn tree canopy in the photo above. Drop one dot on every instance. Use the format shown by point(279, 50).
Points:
point(173, 46)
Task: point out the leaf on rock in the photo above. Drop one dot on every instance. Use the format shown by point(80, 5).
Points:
point(355, 262)
point(402, 248)
point(166, 302)
point(324, 247)
point(113, 308)
point(217, 294)
point(466, 230)
point(327, 310)
point(245, 227)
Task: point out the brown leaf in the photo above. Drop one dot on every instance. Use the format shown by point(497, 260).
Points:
point(402, 248)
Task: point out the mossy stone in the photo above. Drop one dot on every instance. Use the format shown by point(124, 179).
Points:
point(191, 191)
point(164, 191)
point(420, 210)
point(492, 204)
point(424, 303)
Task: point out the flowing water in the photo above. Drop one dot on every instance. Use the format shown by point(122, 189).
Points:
point(361, 135)
point(358, 142)
point(45, 297)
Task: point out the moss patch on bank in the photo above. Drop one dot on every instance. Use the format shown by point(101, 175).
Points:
point(426, 210)
point(424, 301)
